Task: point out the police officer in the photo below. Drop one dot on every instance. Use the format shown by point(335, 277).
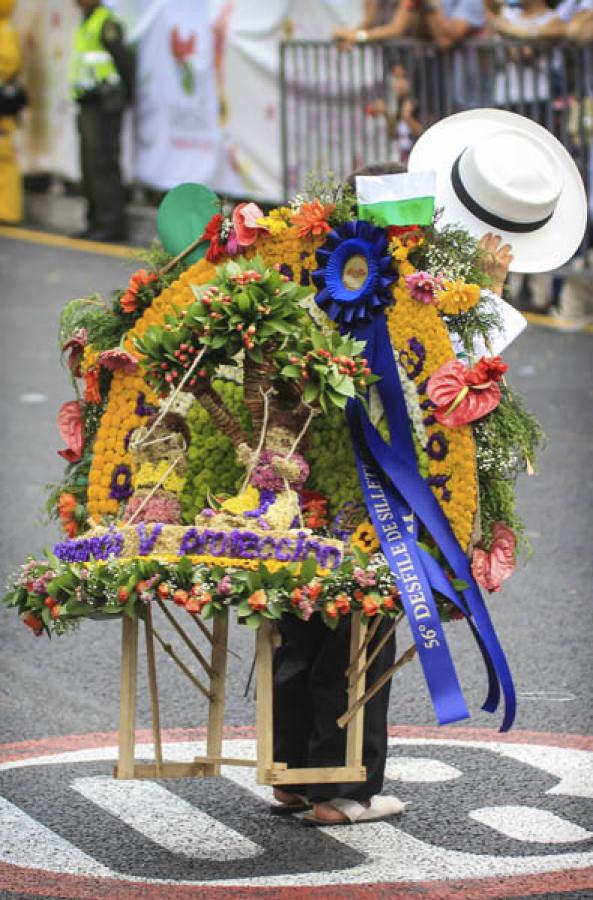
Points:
point(102, 78)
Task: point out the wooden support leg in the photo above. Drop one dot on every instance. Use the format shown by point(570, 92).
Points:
point(220, 633)
point(154, 694)
point(355, 728)
point(127, 702)
point(264, 701)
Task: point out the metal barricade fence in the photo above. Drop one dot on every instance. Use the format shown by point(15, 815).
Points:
point(329, 97)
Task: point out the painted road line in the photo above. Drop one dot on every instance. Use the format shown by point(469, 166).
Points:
point(414, 769)
point(525, 823)
point(25, 839)
point(558, 323)
point(166, 819)
point(66, 243)
point(407, 854)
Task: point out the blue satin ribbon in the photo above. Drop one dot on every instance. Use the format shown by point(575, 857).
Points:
point(394, 467)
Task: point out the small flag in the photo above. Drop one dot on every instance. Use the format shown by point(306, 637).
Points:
point(406, 199)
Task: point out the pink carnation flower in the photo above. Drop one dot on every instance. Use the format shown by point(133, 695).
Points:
point(423, 286)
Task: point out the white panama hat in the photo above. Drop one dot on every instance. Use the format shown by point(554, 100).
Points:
point(501, 172)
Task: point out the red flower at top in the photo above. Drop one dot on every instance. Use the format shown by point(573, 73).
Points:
point(212, 234)
point(182, 48)
point(394, 231)
point(462, 394)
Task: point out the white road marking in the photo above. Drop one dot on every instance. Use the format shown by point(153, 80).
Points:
point(24, 839)
point(417, 769)
point(166, 819)
point(33, 398)
point(528, 823)
point(391, 855)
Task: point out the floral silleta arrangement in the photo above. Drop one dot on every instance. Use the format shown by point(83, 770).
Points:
point(294, 423)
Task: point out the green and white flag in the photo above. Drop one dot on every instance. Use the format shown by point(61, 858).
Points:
point(406, 199)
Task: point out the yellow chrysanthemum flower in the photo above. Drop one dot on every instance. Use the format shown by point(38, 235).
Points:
point(458, 297)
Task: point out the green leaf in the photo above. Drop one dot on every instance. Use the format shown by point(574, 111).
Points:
point(308, 569)
point(310, 393)
point(253, 621)
point(361, 557)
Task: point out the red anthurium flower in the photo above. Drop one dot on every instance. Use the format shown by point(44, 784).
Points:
point(245, 216)
point(463, 394)
point(491, 568)
point(181, 48)
point(76, 344)
point(70, 425)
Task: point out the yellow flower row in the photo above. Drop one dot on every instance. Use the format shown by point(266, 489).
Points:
point(417, 328)
point(120, 416)
point(148, 475)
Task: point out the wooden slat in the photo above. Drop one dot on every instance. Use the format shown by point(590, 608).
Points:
point(167, 769)
point(224, 761)
point(217, 691)
point(321, 774)
point(264, 709)
point(169, 650)
point(186, 639)
point(154, 693)
point(127, 697)
point(356, 682)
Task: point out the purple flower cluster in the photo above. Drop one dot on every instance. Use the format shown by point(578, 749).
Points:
point(413, 361)
point(81, 550)
point(244, 544)
point(147, 541)
point(142, 408)
point(121, 482)
point(437, 446)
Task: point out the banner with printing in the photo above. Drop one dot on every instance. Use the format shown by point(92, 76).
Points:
point(208, 88)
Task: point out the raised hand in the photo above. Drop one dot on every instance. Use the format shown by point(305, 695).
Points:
point(497, 259)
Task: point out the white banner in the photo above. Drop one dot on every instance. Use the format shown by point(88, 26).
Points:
point(208, 87)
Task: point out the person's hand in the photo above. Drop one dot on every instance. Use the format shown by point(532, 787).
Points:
point(344, 37)
point(497, 259)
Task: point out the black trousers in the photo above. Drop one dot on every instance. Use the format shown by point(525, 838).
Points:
point(100, 140)
point(310, 694)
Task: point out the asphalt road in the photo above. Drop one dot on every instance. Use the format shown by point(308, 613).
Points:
point(70, 685)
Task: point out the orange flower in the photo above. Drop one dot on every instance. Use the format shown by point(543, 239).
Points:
point(314, 590)
point(258, 601)
point(312, 218)
point(33, 622)
point(92, 394)
point(331, 610)
point(128, 302)
point(342, 603)
point(66, 505)
point(70, 528)
point(370, 605)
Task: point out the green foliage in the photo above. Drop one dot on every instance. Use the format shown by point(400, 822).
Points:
point(480, 321)
point(328, 367)
point(452, 252)
point(507, 441)
point(213, 470)
point(104, 328)
point(328, 189)
point(331, 460)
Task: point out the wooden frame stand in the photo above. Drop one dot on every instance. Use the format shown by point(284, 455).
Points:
point(269, 771)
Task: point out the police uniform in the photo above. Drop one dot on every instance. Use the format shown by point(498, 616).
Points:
point(102, 76)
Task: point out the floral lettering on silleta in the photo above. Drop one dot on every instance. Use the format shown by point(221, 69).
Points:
point(238, 543)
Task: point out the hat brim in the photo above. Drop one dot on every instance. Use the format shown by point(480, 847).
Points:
point(542, 250)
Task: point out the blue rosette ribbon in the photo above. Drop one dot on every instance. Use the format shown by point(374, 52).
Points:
point(353, 284)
